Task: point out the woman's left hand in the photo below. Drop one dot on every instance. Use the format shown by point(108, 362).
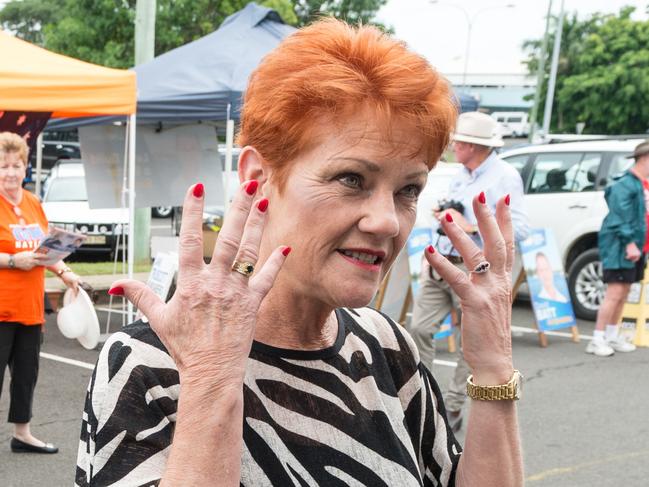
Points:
point(486, 297)
point(71, 280)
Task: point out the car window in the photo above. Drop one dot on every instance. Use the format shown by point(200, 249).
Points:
point(518, 162)
point(619, 164)
point(515, 119)
point(555, 172)
point(67, 189)
point(585, 174)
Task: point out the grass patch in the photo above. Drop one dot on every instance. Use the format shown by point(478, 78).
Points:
point(100, 268)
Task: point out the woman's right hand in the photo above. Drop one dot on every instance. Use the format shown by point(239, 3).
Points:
point(208, 325)
point(26, 261)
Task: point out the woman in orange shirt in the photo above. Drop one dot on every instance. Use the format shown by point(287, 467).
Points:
point(22, 286)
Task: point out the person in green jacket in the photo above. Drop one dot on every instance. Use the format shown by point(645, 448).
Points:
point(621, 240)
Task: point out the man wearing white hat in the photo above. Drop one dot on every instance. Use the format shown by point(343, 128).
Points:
point(490, 178)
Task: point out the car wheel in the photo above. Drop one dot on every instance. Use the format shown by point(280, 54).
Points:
point(585, 283)
point(162, 211)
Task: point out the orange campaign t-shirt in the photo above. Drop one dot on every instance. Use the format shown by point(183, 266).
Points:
point(22, 292)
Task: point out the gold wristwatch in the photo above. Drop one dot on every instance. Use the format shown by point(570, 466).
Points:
point(504, 392)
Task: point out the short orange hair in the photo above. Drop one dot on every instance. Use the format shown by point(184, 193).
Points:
point(332, 69)
point(10, 142)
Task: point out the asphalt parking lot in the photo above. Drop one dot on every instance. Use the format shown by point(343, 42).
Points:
point(583, 419)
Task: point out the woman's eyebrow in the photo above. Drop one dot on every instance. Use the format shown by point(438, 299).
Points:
point(374, 167)
point(369, 165)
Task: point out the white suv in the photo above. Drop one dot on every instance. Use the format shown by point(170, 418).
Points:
point(564, 186)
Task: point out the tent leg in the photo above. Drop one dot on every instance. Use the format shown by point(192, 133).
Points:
point(39, 163)
point(229, 142)
point(131, 204)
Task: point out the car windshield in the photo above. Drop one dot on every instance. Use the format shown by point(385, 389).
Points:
point(67, 189)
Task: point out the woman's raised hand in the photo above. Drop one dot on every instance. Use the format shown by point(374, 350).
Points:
point(208, 325)
point(485, 297)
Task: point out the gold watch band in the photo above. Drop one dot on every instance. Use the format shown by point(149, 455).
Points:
point(504, 392)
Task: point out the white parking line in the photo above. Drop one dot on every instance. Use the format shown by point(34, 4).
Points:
point(445, 363)
point(524, 329)
point(69, 361)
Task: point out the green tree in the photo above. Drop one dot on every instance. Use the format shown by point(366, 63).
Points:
point(27, 17)
point(603, 74)
point(352, 11)
point(102, 31)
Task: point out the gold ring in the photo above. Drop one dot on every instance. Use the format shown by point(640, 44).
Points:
point(245, 268)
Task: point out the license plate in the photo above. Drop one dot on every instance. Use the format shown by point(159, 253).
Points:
point(95, 240)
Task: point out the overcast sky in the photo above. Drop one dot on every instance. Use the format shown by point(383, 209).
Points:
point(439, 30)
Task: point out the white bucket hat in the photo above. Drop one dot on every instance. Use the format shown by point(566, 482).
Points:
point(78, 319)
point(478, 128)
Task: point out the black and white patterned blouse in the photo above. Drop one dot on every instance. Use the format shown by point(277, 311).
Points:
point(363, 412)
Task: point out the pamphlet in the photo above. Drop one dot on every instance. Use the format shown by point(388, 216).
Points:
point(59, 244)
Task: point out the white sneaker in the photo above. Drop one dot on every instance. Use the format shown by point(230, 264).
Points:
point(619, 344)
point(600, 348)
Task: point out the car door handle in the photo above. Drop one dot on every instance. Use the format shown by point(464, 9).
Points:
point(580, 207)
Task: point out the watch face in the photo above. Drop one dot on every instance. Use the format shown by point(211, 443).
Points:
point(518, 382)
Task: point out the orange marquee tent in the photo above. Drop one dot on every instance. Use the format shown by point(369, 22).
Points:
point(33, 79)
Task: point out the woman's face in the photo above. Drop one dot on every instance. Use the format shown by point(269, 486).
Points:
point(544, 271)
point(12, 172)
point(346, 210)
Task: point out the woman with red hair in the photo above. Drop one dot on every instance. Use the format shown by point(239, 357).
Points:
point(266, 367)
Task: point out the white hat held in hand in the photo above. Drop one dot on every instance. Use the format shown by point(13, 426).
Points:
point(478, 128)
point(78, 319)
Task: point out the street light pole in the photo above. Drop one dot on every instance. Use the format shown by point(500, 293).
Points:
point(145, 13)
point(469, 20)
point(540, 73)
point(549, 98)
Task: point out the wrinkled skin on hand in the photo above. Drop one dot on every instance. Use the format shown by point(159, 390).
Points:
point(208, 325)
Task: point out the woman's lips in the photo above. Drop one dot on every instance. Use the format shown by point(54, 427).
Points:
point(370, 260)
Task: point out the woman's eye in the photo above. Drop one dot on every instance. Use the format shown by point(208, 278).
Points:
point(351, 180)
point(411, 191)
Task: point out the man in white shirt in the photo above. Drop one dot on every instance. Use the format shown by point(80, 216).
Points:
point(483, 172)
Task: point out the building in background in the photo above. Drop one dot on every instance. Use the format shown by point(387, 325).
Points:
point(498, 92)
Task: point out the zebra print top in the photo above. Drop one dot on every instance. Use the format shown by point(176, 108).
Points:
point(363, 412)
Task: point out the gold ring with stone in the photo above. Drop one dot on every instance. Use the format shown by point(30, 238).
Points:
point(245, 268)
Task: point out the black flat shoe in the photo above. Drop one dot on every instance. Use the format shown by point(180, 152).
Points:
point(18, 446)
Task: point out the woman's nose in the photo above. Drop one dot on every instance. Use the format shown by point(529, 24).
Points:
point(380, 216)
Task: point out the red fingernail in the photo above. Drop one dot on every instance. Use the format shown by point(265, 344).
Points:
point(116, 291)
point(199, 189)
point(430, 249)
point(449, 218)
point(482, 198)
point(507, 200)
point(251, 187)
point(262, 205)
point(286, 251)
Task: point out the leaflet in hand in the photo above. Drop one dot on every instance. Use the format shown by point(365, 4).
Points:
point(59, 244)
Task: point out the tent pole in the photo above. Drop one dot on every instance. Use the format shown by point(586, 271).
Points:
point(39, 163)
point(229, 141)
point(131, 204)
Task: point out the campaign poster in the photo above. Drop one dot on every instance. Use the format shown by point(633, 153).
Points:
point(419, 239)
point(547, 282)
